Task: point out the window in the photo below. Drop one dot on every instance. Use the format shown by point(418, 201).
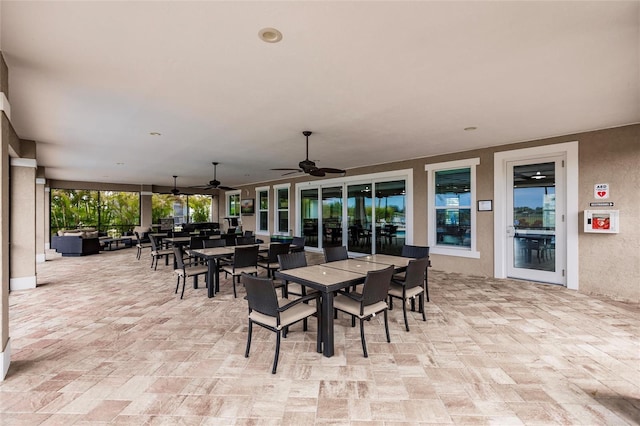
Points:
point(262, 218)
point(102, 210)
point(451, 208)
point(282, 209)
point(233, 204)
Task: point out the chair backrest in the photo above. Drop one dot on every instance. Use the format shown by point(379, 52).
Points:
point(197, 242)
point(177, 253)
point(248, 233)
point(230, 239)
point(298, 241)
point(332, 254)
point(245, 240)
point(416, 270)
point(211, 243)
point(154, 244)
point(181, 234)
point(376, 286)
point(138, 240)
point(231, 230)
point(275, 249)
point(245, 256)
point(261, 295)
point(415, 251)
point(292, 260)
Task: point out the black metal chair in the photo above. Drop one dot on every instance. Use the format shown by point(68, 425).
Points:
point(158, 253)
point(412, 285)
point(212, 243)
point(140, 245)
point(272, 313)
point(333, 254)
point(245, 240)
point(416, 252)
point(229, 239)
point(297, 244)
point(185, 271)
point(369, 303)
point(196, 241)
point(270, 261)
point(245, 260)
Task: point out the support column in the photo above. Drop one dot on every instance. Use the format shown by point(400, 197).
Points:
point(47, 217)
point(41, 229)
point(23, 224)
point(7, 138)
point(146, 211)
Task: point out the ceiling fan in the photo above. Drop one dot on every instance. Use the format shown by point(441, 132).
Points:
point(215, 183)
point(175, 190)
point(309, 167)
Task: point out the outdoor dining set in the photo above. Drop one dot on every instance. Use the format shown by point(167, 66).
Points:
point(361, 287)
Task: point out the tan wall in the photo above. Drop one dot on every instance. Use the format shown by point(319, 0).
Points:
point(610, 264)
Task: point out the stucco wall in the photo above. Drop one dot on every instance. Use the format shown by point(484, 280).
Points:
point(610, 263)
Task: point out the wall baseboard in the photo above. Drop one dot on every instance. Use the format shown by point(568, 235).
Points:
point(5, 360)
point(22, 283)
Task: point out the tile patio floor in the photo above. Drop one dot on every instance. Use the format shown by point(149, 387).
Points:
point(104, 340)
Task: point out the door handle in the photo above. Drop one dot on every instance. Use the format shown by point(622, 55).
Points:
point(511, 231)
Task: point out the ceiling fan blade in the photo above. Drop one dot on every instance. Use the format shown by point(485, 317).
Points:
point(283, 169)
point(332, 170)
point(317, 172)
point(293, 172)
point(226, 188)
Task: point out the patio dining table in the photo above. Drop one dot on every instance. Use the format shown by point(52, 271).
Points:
point(213, 256)
point(332, 276)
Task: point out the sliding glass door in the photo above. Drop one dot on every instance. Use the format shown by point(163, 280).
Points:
point(366, 217)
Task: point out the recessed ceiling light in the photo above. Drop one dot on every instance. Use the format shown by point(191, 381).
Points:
point(470, 128)
point(155, 133)
point(119, 164)
point(270, 35)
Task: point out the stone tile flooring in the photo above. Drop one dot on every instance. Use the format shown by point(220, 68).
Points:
point(103, 339)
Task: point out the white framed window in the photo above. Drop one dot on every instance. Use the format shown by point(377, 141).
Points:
point(451, 204)
point(233, 203)
point(262, 216)
point(281, 208)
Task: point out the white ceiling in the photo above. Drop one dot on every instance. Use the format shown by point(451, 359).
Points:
point(375, 81)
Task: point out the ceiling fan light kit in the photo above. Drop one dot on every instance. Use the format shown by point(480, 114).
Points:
point(309, 167)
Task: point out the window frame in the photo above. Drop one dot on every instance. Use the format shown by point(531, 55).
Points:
point(260, 210)
point(277, 209)
point(228, 196)
point(431, 169)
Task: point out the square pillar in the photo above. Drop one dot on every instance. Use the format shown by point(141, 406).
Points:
point(23, 224)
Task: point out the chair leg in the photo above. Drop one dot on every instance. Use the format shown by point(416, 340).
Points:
point(275, 359)
point(177, 285)
point(233, 280)
point(364, 343)
point(184, 283)
point(386, 326)
point(426, 289)
point(421, 301)
point(404, 312)
point(246, 352)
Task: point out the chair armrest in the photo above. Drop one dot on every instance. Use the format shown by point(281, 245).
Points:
point(351, 295)
point(300, 300)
